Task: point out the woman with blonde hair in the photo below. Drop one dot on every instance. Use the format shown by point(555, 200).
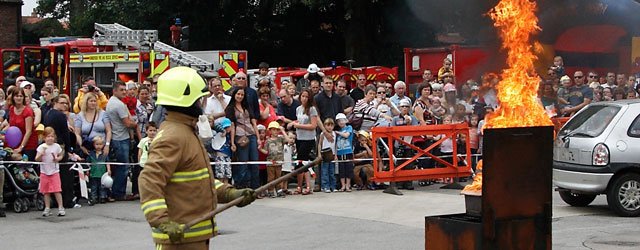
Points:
point(91, 122)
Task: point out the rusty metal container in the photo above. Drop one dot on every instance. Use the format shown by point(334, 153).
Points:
point(516, 196)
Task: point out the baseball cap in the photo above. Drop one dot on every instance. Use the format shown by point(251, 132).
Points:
point(261, 127)
point(436, 86)
point(405, 103)
point(274, 124)
point(313, 68)
point(131, 85)
point(565, 78)
point(449, 87)
point(341, 116)
point(24, 83)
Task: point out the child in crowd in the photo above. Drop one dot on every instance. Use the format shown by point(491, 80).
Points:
point(143, 145)
point(274, 150)
point(223, 154)
point(446, 147)
point(50, 153)
point(474, 140)
point(558, 66)
point(328, 167)
point(132, 101)
point(98, 167)
point(363, 170)
point(344, 152)
point(437, 110)
point(460, 115)
point(262, 134)
point(290, 157)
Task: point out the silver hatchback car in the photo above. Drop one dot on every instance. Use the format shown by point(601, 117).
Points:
point(598, 152)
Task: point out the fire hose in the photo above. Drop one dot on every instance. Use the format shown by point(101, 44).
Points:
point(261, 189)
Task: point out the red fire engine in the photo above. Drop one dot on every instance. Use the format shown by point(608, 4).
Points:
point(114, 53)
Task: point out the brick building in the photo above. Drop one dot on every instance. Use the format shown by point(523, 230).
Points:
point(10, 22)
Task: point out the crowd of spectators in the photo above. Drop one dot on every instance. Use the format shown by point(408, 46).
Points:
point(314, 116)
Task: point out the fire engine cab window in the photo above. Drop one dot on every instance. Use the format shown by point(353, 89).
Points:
point(634, 129)
point(590, 122)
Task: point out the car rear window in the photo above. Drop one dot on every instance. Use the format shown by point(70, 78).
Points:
point(590, 122)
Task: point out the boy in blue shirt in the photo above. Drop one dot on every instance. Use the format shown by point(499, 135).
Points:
point(222, 151)
point(344, 152)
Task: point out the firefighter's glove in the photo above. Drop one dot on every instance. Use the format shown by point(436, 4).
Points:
point(248, 196)
point(173, 229)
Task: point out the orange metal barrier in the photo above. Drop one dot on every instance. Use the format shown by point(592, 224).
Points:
point(395, 134)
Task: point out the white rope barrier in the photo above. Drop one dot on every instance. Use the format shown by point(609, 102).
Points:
point(237, 162)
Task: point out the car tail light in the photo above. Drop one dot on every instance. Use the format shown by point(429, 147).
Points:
point(600, 155)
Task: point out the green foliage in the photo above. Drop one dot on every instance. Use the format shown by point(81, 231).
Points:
point(31, 33)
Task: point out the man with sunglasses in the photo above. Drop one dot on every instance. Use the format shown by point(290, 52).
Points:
point(592, 80)
point(579, 95)
point(240, 81)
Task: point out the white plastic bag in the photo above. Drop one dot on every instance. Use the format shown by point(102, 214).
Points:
point(204, 129)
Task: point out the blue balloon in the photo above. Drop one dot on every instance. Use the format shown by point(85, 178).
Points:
point(13, 137)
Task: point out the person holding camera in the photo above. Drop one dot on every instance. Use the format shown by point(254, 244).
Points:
point(89, 86)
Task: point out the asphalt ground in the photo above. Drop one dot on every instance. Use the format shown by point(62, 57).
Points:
point(356, 220)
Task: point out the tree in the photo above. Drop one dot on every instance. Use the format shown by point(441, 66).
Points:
point(31, 33)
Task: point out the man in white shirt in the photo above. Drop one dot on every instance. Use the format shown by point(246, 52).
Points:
point(217, 101)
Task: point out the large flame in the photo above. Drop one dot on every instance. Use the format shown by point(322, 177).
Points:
point(518, 89)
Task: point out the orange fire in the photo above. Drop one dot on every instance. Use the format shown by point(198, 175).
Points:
point(476, 186)
point(518, 89)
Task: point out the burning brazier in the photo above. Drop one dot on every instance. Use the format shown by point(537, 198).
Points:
point(515, 205)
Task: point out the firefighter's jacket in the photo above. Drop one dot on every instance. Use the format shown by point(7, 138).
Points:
point(177, 182)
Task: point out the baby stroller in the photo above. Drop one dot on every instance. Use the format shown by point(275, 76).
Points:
point(21, 184)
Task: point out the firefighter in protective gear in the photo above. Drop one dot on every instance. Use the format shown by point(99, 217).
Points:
point(177, 184)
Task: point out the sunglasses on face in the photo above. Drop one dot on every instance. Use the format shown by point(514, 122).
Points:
point(578, 77)
point(241, 78)
point(381, 92)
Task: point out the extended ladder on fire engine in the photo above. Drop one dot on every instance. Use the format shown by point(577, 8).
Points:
point(119, 35)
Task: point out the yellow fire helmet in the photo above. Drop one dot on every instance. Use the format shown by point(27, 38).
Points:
point(180, 87)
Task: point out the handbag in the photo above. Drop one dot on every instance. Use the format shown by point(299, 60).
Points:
point(86, 142)
point(355, 120)
point(243, 140)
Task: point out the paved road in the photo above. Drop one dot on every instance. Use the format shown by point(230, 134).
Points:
point(357, 220)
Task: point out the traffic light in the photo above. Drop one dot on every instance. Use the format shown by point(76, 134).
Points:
point(184, 38)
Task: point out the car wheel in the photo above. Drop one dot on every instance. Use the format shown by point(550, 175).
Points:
point(624, 195)
point(575, 199)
